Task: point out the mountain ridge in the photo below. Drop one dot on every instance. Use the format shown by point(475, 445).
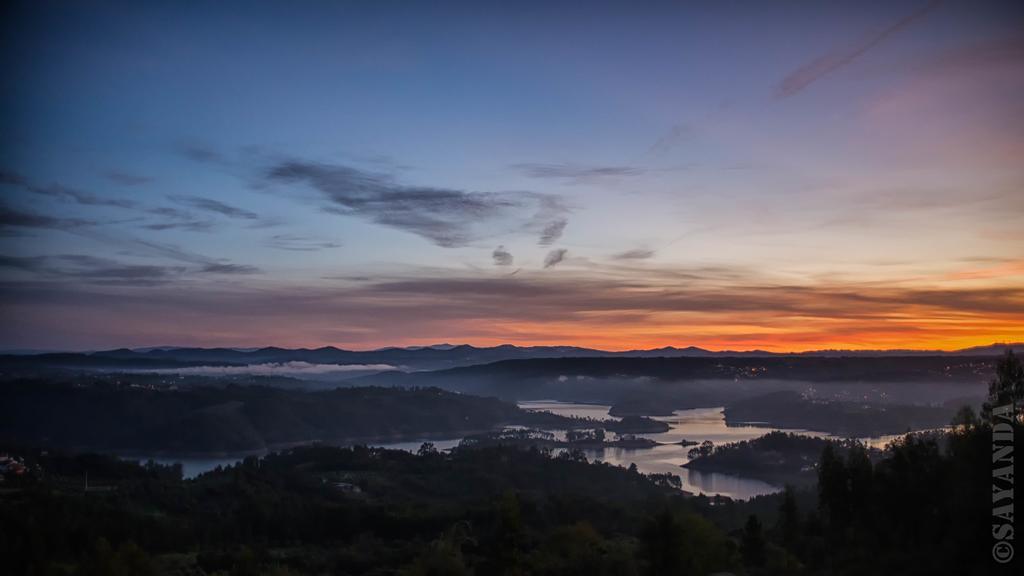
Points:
point(435, 357)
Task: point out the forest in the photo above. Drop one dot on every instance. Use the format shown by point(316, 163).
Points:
point(117, 413)
point(923, 506)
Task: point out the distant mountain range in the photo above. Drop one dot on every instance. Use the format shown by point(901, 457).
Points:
point(436, 357)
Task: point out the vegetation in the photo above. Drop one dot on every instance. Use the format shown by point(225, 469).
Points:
point(118, 414)
point(326, 510)
point(850, 419)
point(924, 506)
point(776, 457)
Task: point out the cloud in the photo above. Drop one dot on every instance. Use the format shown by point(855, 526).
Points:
point(576, 173)
point(61, 192)
point(14, 218)
point(111, 272)
point(211, 205)
point(66, 193)
point(552, 232)
point(635, 254)
point(29, 263)
point(813, 71)
point(191, 226)
point(175, 219)
point(222, 268)
point(126, 179)
point(445, 216)
point(555, 257)
point(106, 271)
point(615, 308)
point(502, 257)
point(169, 251)
point(299, 243)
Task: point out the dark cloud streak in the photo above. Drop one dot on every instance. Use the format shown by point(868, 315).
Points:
point(296, 243)
point(447, 217)
point(813, 71)
point(14, 218)
point(574, 172)
point(62, 192)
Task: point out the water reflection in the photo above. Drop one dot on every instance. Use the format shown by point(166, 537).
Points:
point(696, 425)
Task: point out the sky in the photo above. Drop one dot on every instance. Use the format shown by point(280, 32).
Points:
point(786, 176)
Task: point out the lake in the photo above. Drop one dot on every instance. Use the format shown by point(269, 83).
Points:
point(696, 425)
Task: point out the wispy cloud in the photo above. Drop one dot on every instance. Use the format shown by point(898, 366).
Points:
point(222, 268)
point(297, 243)
point(126, 178)
point(635, 254)
point(11, 217)
point(176, 219)
point(62, 192)
point(106, 271)
point(555, 257)
point(552, 232)
point(445, 216)
point(211, 205)
point(576, 173)
point(79, 196)
point(502, 257)
point(820, 67)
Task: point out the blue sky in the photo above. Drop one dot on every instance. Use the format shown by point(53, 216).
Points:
point(613, 174)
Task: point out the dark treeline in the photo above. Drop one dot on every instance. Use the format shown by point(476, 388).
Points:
point(789, 409)
point(328, 510)
point(115, 414)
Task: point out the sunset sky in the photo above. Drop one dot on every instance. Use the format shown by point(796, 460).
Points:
point(799, 175)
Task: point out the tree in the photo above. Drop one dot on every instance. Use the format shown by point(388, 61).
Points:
point(789, 519)
point(663, 544)
point(833, 491)
point(861, 483)
point(752, 544)
point(965, 420)
point(1007, 388)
